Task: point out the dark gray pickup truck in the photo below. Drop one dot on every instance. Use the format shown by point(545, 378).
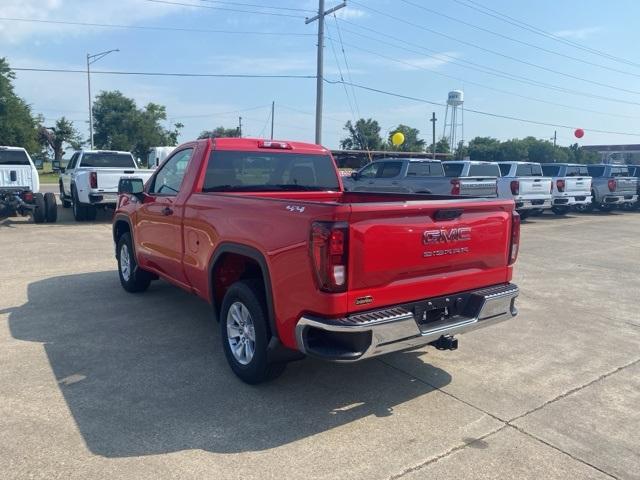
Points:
point(612, 186)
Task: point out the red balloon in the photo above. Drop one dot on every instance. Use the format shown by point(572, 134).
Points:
point(579, 133)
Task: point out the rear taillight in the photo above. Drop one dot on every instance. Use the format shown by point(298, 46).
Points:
point(328, 248)
point(612, 185)
point(93, 179)
point(515, 187)
point(515, 237)
point(27, 197)
point(455, 187)
point(560, 185)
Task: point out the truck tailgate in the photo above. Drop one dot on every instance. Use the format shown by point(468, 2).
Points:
point(535, 185)
point(626, 185)
point(478, 187)
point(108, 179)
point(21, 174)
point(577, 185)
point(403, 252)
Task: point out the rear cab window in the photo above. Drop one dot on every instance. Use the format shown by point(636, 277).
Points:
point(229, 171)
point(529, 170)
point(595, 170)
point(452, 169)
point(577, 171)
point(552, 170)
point(619, 171)
point(14, 157)
point(424, 169)
point(483, 170)
point(505, 168)
point(107, 160)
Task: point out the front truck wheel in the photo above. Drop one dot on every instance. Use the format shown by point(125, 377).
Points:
point(560, 209)
point(40, 210)
point(245, 333)
point(132, 278)
point(51, 207)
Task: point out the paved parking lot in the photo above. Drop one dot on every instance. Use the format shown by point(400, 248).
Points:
point(98, 383)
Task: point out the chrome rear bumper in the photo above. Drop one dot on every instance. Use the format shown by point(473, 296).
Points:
point(377, 332)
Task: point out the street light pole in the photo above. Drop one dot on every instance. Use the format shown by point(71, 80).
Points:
point(92, 59)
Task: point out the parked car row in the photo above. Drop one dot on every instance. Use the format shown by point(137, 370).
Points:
point(534, 187)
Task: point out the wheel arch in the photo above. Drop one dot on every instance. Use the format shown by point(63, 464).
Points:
point(253, 256)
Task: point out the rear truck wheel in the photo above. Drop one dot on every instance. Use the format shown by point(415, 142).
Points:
point(524, 214)
point(51, 207)
point(39, 212)
point(245, 334)
point(132, 278)
point(560, 210)
point(66, 203)
point(78, 209)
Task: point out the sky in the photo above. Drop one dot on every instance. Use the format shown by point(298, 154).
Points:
point(414, 48)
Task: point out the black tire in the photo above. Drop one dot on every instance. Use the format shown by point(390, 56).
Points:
point(78, 209)
point(524, 214)
point(133, 280)
point(560, 210)
point(90, 212)
point(51, 207)
point(39, 212)
point(249, 293)
point(66, 203)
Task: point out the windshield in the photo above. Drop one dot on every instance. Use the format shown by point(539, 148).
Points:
point(529, 170)
point(107, 160)
point(14, 157)
point(452, 169)
point(267, 171)
point(484, 170)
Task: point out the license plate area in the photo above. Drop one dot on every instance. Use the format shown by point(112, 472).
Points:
point(441, 311)
point(581, 198)
point(537, 202)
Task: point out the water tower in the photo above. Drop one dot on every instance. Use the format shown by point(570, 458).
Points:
point(454, 118)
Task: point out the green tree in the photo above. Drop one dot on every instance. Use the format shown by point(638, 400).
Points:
point(120, 125)
point(18, 127)
point(59, 137)
point(484, 149)
point(442, 146)
point(411, 141)
point(364, 135)
point(513, 151)
point(220, 132)
point(461, 151)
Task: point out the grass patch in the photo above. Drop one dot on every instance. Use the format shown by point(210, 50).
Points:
point(49, 178)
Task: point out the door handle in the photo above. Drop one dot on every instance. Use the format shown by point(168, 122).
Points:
point(167, 211)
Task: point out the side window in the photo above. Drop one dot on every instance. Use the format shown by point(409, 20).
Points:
point(371, 170)
point(72, 162)
point(389, 170)
point(169, 178)
point(504, 169)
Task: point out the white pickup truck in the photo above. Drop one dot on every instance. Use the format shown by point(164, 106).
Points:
point(525, 184)
point(91, 179)
point(20, 188)
point(571, 186)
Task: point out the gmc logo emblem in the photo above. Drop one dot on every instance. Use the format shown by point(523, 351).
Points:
point(446, 235)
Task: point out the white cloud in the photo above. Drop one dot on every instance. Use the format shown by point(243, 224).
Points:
point(578, 33)
point(91, 11)
point(350, 13)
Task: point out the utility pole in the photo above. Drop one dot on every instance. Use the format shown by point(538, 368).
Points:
point(555, 138)
point(93, 59)
point(433, 131)
point(240, 126)
point(273, 109)
point(320, 65)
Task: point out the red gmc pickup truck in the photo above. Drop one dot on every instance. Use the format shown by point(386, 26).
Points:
point(293, 265)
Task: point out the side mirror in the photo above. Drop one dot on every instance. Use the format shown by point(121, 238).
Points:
point(355, 175)
point(131, 186)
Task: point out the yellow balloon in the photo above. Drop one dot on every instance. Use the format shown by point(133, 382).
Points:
point(397, 138)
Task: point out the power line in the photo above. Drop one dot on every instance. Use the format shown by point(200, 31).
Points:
point(516, 40)
point(272, 7)
point(152, 28)
point(346, 63)
point(273, 14)
point(346, 89)
point(212, 114)
point(494, 52)
point(159, 74)
point(480, 112)
point(538, 31)
point(486, 70)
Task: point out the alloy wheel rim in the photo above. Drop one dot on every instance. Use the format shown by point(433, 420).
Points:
point(125, 263)
point(241, 333)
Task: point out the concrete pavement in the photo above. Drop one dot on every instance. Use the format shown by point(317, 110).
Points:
point(98, 383)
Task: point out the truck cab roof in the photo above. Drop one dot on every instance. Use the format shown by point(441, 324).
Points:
point(259, 144)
